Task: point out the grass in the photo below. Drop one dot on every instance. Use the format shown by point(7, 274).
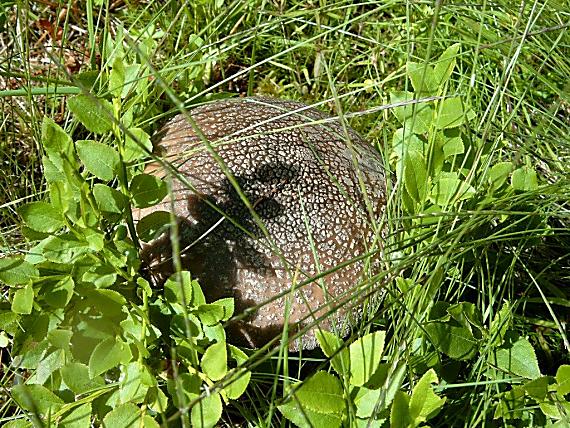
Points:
point(507, 247)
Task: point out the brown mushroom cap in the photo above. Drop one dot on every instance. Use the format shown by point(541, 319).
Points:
point(316, 191)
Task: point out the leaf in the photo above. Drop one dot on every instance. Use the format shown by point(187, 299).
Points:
point(95, 114)
point(125, 416)
point(399, 413)
point(135, 383)
point(330, 343)
point(106, 355)
point(57, 144)
point(321, 393)
point(137, 145)
point(524, 179)
point(365, 356)
point(499, 173)
point(446, 64)
point(214, 361)
point(99, 159)
point(366, 401)
point(517, 358)
point(147, 190)
point(306, 418)
point(183, 290)
point(41, 216)
point(563, 379)
point(422, 77)
point(49, 364)
point(424, 403)
point(415, 175)
point(153, 225)
point(537, 388)
point(240, 376)
point(453, 340)
point(23, 300)
point(79, 417)
point(402, 142)
point(415, 116)
point(207, 412)
point(109, 200)
point(450, 113)
point(500, 324)
point(453, 146)
point(117, 77)
point(14, 270)
point(449, 188)
point(59, 294)
point(76, 377)
point(36, 398)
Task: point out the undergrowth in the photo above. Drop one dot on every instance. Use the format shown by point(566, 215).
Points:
point(469, 106)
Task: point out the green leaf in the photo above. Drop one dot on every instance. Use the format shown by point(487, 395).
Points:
point(524, 179)
point(365, 356)
point(59, 294)
point(207, 412)
point(147, 190)
point(422, 77)
point(125, 416)
point(453, 146)
point(563, 379)
point(450, 113)
point(49, 364)
point(36, 398)
point(499, 173)
point(366, 401)
point(321, 393)
point(183, 290)
point(452, 339)
point(425, 404)
point(153, 225)
point(446, 64)
point(135, 383)
point(306, 418)
point(404, 141)
point(95, 114)
point(79, 417)
point(517, 358)
point(76, 377)
point(99, 159)
point(227, 305)
point(449, 188)
point(41, 216)
point(106, 355)
point(240, 376)
point(416, 117)
point(537, 388)
point(415, 175)
point(137, 145)
point(23, 300)
point(109, 200)
point(117, 77)
point(330, 343)
point(57, 144)
point(500, 324)
point(15, 270)
point(214, 361)
point(399, 413)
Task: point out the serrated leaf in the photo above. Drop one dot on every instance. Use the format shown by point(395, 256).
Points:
point(449, 189)
point(23, 300)
point(518, 358)
point(125, 416)
point(424, 403)
point(453, 146)
point(117, 77)
point(306, 418)
point(453, 340)
point(137, 145)
point(563, 379)
point(241, 376)
point(15, 270)
point(422, 77)
point(41, 216)
point(416, 117)
point(321, 393)
point(79, 417)
point(365, 355)
point(500, 324)
point(207, 412)
point(524, 179)
point(415, 175)
point(57, 144)
point(49, 364)
point(499, 173)
point(99, 159)
point(537, 388)
point(109, 200)
point(445, 65)
point(215, 361)
point(403, 141)
point(330, 343)
point(183, 290)
point(399, 413)
point(147, 190)
point(95, 114)
point(106, 355)
point(36, 398)
point(450, 113)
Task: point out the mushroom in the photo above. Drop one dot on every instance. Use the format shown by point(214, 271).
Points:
point(276, 209)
